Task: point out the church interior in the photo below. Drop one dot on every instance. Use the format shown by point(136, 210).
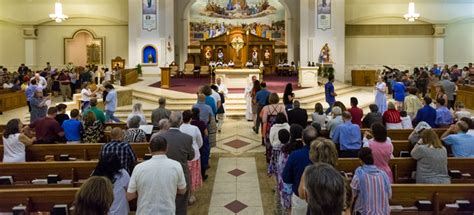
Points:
point(162, 55)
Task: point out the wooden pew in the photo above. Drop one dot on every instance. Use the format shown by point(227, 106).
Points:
point(394, 134)
point(39, 199)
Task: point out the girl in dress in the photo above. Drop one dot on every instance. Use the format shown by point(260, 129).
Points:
point(381, 95)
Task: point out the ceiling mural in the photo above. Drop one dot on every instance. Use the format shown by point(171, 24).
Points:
point(211, 18)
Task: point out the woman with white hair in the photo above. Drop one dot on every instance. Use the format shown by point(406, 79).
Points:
point(137, 111)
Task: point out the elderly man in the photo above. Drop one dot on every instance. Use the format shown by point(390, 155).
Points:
point(160, 113)
point(222, 87)
point(122, 149)
point(40, 80)
point(462, 144)
point(335, 121)
point(347, 135)
point(180, 148)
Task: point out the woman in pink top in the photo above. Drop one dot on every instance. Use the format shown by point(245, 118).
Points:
point(381, 146)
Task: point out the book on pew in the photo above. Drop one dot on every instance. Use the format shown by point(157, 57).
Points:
point(148, 129)
point(147, 157)
point(64, 157)
point(19, 210)
point(6, 180)
point(405, 154)
point(424, 205)
point(450, 207)
point(464, 205)
point(39, 181)
point(60, 209)
point(455, 173)
point(53, 178)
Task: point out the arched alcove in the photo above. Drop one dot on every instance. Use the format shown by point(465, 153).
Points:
point(83, 48)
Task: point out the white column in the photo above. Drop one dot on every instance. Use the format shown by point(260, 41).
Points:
point(438, 44)
point(29, 35)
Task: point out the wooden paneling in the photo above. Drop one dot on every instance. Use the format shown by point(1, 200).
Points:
point(11, 100)
point(465, 95)
point(364, 78)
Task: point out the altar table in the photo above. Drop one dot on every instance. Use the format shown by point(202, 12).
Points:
point(237, 78)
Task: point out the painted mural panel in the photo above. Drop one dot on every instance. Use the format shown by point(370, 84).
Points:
point(210, 18)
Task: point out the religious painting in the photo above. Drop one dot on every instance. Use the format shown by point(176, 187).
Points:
point(93, 54)
point(324, 14)
point(149, 15)
point(254, 55)
point(211, 18)
point(84, 47)
point(149, 56)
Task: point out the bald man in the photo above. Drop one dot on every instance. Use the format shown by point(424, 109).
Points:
point(122, 149)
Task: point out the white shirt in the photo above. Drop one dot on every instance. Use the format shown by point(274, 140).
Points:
point(42, 81)
point(13, 149)
point(194, 132)
point(85, 94)
point(223, 89)
point(406, 122)
point(462, 113)
point(108, 76)
point(120, 204)
point(216, 96)
point(141, 115)
point(273, 135)
point(7, 85)
point(156, 182)
point(320, 119)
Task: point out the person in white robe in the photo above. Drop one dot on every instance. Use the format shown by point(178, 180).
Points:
point(248, 100)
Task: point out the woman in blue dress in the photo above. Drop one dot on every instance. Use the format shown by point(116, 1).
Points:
point(381, 95)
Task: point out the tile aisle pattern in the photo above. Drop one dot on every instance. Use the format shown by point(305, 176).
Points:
point(236, 188)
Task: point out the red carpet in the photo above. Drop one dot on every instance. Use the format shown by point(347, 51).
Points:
point(191, 84)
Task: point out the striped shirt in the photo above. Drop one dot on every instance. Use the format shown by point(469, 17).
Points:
point(124, 152)
point(134, 135)
point(391, 116)
point(372, 187)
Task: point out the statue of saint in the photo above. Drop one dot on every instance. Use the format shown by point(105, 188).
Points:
point(220, 55)
point(255, 56)
point(324, 55)
point(267, 54)
point(150, 58)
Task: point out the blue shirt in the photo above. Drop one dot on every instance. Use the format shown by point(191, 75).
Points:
point(329, 89)
point(297, 162)
point(30, 91)
point(212, 103)
point(261, 96)
point(348, 136)
point(204, 111)
point(111, 100)
point(426, 114)
point(443, 116)
point(462, 144)
point(437, 71)
point(72, 129)
point(399, 91)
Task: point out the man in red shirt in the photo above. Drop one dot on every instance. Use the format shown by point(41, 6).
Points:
point(356, 112)
point(65, 85)
point(47, 129)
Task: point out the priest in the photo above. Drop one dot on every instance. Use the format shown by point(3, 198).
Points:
point(248, 99)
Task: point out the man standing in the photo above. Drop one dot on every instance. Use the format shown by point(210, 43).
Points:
point(157, 182)
point(180, 148)
point(248, 99)
point(221, 86)
point(111, 103)
point(160, 113)
point(65, 83)
point(449, 88)
point(330, 93)
point(298, 115)
point(47, 129)
point(40, 80)
point(262, 100)
point(122, 149)
point(347, 135)
point(99, 114)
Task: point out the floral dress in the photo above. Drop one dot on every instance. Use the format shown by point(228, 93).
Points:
point(93, 133)
point(284, 190)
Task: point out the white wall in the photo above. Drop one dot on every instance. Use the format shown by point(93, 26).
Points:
point(12, 45)
point(459, 43)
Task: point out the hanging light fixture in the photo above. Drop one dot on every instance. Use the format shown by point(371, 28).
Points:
point(411, 16)
point(58, 15)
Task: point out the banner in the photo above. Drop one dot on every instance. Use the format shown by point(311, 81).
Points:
point(324, 14)
point(149, 15)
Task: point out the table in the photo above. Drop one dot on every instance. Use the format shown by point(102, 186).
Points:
point(308, 76)
point(237, 78)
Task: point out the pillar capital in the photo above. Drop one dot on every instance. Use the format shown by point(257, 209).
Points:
point(439, 31)
point(30, 32)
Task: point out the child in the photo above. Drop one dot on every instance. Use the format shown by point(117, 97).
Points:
point(406, 120)
point(459, 112)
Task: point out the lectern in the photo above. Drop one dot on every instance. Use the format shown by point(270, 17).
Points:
point(165, 77)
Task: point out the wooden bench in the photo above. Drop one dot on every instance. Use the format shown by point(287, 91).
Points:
point(39, 199)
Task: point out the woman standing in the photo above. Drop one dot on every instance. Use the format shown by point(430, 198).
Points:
point(280, 124)
point(137, 111)
point(255, 89)
point(15, 142)
point(381, 95)
point(441, 94)
point(134, 134)
point(382, 148)
point(95, 197)
point(432, 159)
point(93, 129)
point(319, 116)
point(288, 97)
point(86, 95)
point(269, 113)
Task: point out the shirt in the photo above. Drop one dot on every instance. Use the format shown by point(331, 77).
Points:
point(348, 136)
point(134, 135)
point(382, 152)
point(120, 203)
point(205, 112)
point(431, 164)
point(212, 103)
point(294, 168)
point(99, 114)
point(156, 181)
point(462, 144)
point(194, 132)
point(111, 101)
point(30, 92)
point(373, 189)
point(47, 130)
point(13, 149)
point(443, 116)
point(391, 116)
point(332, 124)
point(159, 114)
point(412, 104)
point(449, 88)
point(124, 152)
point(399, 91)
point(329, 89)
point(72, 129)
point(61, 118)
point(426, 114)
point(357, 115)
point(262, 97)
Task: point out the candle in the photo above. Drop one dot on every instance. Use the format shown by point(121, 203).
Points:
point(98, 77)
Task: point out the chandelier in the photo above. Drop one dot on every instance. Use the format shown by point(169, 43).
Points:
point(58, 15)
point(411, 16)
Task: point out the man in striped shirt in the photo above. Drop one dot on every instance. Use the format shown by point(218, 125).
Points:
point(370, 187)
point(121, 148)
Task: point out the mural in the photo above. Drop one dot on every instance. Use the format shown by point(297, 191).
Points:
point(211, 18)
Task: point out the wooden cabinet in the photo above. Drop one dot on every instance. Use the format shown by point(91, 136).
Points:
point(465, 95)
point(364, 78)
point(11, 100)
point(129, 76)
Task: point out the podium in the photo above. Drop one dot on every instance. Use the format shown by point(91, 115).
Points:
point(165, 77)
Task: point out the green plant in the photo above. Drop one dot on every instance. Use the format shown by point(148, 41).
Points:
point(325, 71)
point(139, 69)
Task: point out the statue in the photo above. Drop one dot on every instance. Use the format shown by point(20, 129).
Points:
point(237, 43)
point(220, 55)
point(324, 55)
point(150, 58)
point(255, 56)
point(267, 54)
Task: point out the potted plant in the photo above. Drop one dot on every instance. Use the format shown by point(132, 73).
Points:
point(139, 69)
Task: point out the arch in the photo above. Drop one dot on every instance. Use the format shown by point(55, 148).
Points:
point(91, 48)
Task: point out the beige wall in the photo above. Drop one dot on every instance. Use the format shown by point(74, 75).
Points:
point(12, 45)
point(459, 43)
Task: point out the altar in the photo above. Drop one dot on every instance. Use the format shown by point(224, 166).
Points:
point(237, 78)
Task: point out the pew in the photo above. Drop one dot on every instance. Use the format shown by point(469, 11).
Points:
point(394, 134)
point(39, 199)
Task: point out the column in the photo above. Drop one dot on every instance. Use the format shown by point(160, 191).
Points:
point(438, 43)
point(30, 35)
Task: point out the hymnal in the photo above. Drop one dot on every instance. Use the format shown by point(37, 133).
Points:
point(455, 173)
point(148, 129)
point(147, 157)
point(53, 179)
point(19, 210)
point(6, 180)
point(60, 210)
point(424, 205)
point(64, 157)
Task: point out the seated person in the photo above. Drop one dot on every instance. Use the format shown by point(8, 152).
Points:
point(406, 120)
point(47, 129)
point(134, 134)
point(249, 64)
point(231, 63)
point(444, 118)
point(471, 125)
point(348, 136)
point(372, 117)
point(462, 144)
point(460, 112)
point(212, 64)
point(426, 113)
point(219, 64)
point(73, 128)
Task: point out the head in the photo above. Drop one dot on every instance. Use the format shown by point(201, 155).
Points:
point(459, 106)
point(187, 116)
point(201, 98)
point(52, 112)
point(214, 88)
point(256, 85)
point(430, 138)
point(176, 119)
point(39, 93)
point(379, 132)
point(296, 104)
point(468, 121)
point(61, 108)
point(365, 155)
point(263, 85)
point(33, 82)
point(391, 106)
point(296, 132)
point(413, 91)
point(206, 90)
point(196, 112)
point(134, 122)
point(354, 102)
point(440, 102)
point(109, 87)
point(427, 100)
point(273, 98)
point(164, 125)
point(346, 116)
point(336, 111)
point(309, 134)
point(254, 78)
point(462, 126)
point(94, 197)
point(325, 189)
point(13, 127)
point(318, 108)
point(284, 136)
point(323, 151)
point(74, 113)
point(331, 78)
point(90, 118)
point(93, 102)
point(218, 81)
point(116, 134)
point(137, 108)
point(341, 105)
point(158, 145)
point(373, 108)
point(108, 166)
